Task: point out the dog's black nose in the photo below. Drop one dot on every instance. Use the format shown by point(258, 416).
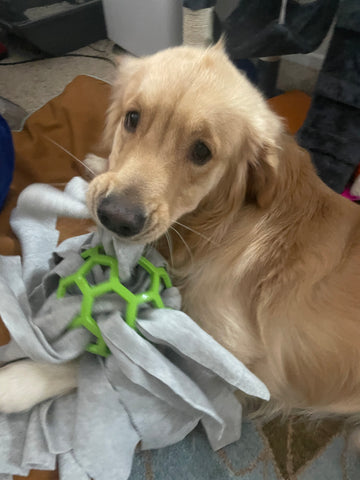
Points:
point(121, 215)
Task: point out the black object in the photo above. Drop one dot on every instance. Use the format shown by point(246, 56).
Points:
point(271, 28)
point(331, 131)
point(268, 74)
point(253, 28)
point(198, 4)
point(3, 51)
point(66, 55)
point(57, 33)
point(248, 67)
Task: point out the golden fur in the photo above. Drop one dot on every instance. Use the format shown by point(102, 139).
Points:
point(272, 261)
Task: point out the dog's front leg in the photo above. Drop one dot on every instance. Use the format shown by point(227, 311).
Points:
point(25, 383)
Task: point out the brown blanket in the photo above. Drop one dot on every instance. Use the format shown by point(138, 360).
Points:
point(75, 120)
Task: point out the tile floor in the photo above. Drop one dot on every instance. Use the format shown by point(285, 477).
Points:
point(31, 85)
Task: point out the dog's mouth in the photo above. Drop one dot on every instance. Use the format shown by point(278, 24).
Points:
point(150, 234)
point(130, 225)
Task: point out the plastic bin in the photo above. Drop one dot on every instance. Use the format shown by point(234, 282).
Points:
point(55, 27)
point(143, 27)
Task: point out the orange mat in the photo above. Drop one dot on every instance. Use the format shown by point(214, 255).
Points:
point(75, 120)
point(293, 107)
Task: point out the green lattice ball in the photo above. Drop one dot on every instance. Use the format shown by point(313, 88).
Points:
point(96, 256)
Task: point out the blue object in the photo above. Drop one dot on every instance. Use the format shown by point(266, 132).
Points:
point(7, 160)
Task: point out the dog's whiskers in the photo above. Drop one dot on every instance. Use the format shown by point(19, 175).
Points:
point(169, 242)
point(71, 155)
point(186, 245)
point(197, 233)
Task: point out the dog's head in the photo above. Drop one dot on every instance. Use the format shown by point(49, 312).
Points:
point(184, 125)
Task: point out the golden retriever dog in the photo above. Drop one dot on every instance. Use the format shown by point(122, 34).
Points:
point(266, 256)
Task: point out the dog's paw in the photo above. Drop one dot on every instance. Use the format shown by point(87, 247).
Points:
point(25, 383)
point(19, 385)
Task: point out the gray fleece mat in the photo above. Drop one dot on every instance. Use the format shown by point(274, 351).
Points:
point(155, 387)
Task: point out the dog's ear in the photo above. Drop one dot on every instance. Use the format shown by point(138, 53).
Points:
point(263, 175)
point(126, 65)
point(220, 45)
point(264, 150)
point(122, 60)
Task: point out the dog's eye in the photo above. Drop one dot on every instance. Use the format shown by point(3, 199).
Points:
point(131, 120)
point(200, 153)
